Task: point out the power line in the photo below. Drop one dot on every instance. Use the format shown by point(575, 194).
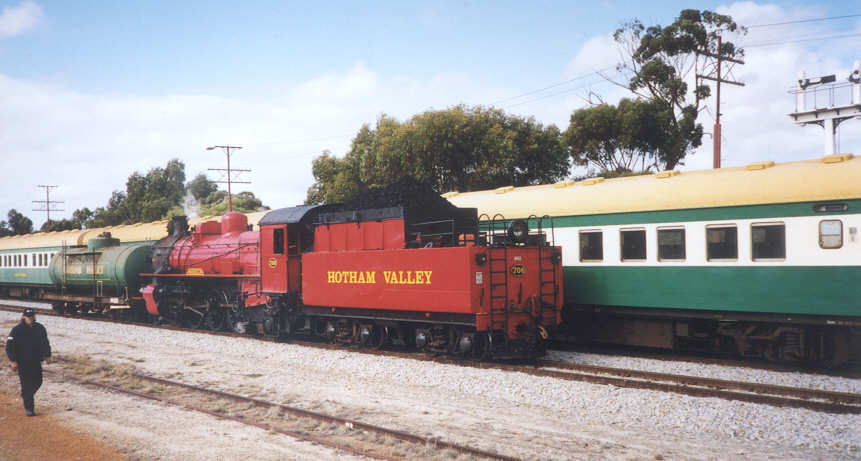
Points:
point(579, 77)
point(602, 81)
point(783, 42)
point(804, 20)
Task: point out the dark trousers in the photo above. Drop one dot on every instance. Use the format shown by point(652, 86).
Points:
point(31, 381)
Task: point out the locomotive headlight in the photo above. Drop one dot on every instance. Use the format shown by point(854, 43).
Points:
point(518, 231)
point(480, 259)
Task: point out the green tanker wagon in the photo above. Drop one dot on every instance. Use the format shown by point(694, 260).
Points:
point(104, 275)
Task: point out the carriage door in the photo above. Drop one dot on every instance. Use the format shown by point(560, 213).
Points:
point(273, 258)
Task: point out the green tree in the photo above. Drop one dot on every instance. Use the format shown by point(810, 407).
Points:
point(147, 197)
point(61, 225)
point(664, 59)
point(460, 148)
point(15, 224)
point(201, 187)
point(631, 136)
point(243, 202)
point(82, 217)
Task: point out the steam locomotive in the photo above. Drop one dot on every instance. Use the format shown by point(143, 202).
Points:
point(405, 275)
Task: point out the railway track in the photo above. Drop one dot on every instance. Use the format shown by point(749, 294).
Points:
point(851, 371)
point(342, 434)
point(767, 394)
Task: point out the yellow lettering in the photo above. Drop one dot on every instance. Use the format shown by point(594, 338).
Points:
point(428, 276)
point(361, 277)
point(354, 277)
point(339, 277)
point(401, 277)
point(331, 276)
point(369, 277)
point(388, 276)
point(410, 279)
point(420, 277)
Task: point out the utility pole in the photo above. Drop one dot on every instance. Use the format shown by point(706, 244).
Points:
point(717, 76)
point(229, 180)
point(47, 202)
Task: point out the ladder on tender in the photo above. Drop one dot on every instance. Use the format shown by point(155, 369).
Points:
point(497, 258)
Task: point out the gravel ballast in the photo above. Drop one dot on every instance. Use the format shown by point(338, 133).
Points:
point(515, 414)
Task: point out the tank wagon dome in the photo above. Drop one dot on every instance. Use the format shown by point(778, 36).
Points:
point(829, 178)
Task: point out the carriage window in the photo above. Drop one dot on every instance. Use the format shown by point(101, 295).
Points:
point(831, 233)
point(722, 243)
point(633, 244)
point(671, 244)
point(591, 246)
point(278, 241)
point(769, 241)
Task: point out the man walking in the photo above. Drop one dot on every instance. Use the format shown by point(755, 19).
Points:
point(26, 347)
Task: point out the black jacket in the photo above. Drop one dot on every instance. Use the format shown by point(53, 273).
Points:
point(28, 344)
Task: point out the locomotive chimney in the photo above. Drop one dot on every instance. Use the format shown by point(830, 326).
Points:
point(178, 226)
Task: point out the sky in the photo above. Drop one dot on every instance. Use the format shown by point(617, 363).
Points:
point(91, 91)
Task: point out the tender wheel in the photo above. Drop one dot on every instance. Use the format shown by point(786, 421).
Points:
point(382, 337)
point(271, 325)
point(59, 308)
point(286, 328)
point(481, 349)
point(372, 336)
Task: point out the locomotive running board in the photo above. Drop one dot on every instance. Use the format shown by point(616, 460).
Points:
point(213, 276)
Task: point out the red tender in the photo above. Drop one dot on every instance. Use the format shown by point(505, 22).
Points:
point(428, 280)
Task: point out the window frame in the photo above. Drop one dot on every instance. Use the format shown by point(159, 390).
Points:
point(721, 226)
point(645, 244)
point(278, 241)
point(819, 228)
point(580, 247)
point(768, 224)
point(684, 243)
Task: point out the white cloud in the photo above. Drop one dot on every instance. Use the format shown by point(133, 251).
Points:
point(15, 20)
point(754, 120)
point(89, 144)
point(597, 53)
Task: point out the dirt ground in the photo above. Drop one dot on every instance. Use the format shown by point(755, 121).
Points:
point(43, 437)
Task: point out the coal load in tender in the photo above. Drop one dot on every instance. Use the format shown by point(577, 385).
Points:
point(407, 193)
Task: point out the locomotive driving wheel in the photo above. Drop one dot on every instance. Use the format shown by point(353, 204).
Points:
point(193, 317)
point(215, 317)
point(237, 319)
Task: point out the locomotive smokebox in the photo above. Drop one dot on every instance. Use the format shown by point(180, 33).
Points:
point(233, 222)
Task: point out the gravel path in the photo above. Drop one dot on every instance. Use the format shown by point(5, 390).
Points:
point(527, 416)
